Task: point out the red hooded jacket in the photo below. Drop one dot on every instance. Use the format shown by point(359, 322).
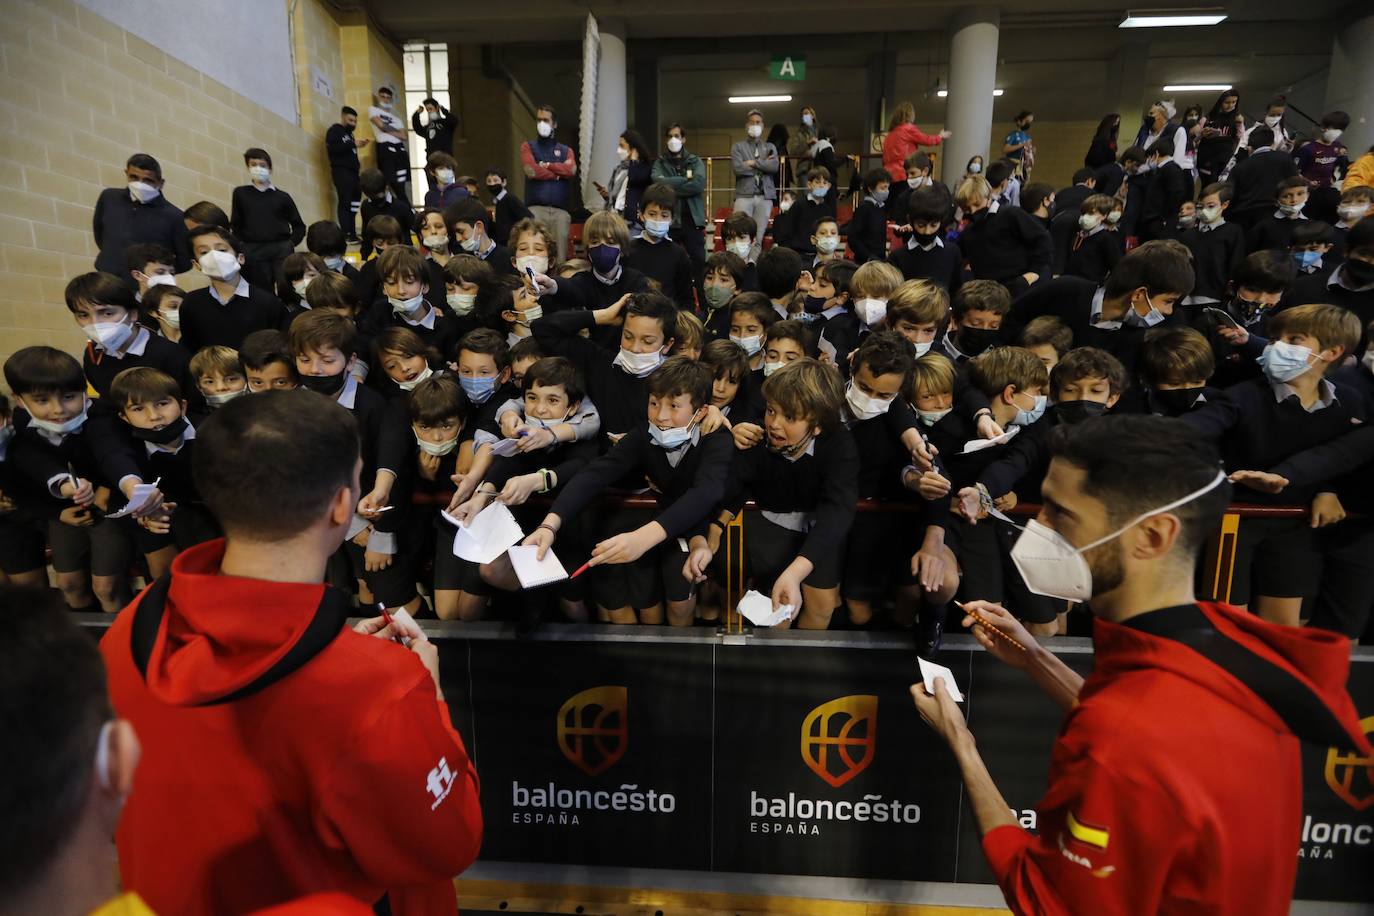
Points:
point(343, 775)
point(1175, 785)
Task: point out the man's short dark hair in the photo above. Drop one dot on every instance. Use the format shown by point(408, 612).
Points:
point(656, 306)
point(141, 253)
point(779, 268)
point(97, 287)
point(145, 162)
point(257, 152)
point(268, 466)
point(1135, 464)
point(205, 213)
point(348, 110)
point(1083, 175)
point(1265, 272)
point(1158, 266)
point(54, 705)
point(326, 239)
point(998, 172)
point(549, 108)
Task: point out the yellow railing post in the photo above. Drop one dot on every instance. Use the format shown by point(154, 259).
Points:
point(1221, 558)
point(734, 572)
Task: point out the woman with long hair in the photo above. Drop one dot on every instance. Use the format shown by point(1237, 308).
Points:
point(630, 178)
point(1102, 150)
point(904, 138)
point(1221, 131)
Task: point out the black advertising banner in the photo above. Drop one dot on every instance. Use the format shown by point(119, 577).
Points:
point(594, 752)
point(823, 766)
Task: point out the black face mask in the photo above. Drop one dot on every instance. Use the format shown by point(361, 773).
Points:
point(1071, 412)
point(495, 189)
point(1360, 273)
point(1148, 121)
point(1248, 311)
point(923, 238)
point(168, 434)
point(1175, 403)
point(972, 341)
point(327, 385)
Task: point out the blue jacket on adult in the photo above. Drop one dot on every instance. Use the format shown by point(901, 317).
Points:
point(549, 185)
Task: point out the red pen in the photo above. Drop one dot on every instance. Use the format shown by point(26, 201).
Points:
point(387, 620)
point(581, 569)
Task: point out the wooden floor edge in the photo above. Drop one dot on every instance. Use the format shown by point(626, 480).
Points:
point(577, 900)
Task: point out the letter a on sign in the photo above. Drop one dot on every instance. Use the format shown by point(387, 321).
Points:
point(837, 738)
point(594, 728)
point(787, 69)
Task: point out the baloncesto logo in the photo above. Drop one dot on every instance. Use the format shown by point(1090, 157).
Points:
point(838, 742)
point(592, 730)
point(1351, 778)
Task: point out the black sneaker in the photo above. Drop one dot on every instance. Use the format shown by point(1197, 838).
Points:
point(932, 635)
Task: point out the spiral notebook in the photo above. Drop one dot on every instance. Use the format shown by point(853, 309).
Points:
point(533, 573)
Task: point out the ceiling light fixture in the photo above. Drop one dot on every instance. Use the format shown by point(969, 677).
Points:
point(1158, 19)
point(755, 99)
point(944, 93)
point(1198, 87)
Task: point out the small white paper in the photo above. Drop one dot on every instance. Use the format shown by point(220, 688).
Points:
point(930, 671)
point(532, 572)
point(827, 348)
point(490, 533)
point(402, 616)
point(142, 493)
point(505, 448)
point(977, 445)
point(757, 608)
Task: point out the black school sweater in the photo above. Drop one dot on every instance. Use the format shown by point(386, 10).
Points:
point(686, 494)
point(823, 484)
point(867, 232)
point(442, 337)
point(882, 458)
point(942, 264)
point(1254, 179)
point(258, 216)
point(1004, 245)
point(205, 323)
point(386, 442)
point(620, 398)
point(158, 353)
point(396, 207)
point(1271, 232)
point(119, 222)
point(1217, 255)
point(666, 262)
point(1093, 256)
point(1316, 288)
point(584, 292)
point(1166, 189)
point(509, 211)
point(499, 259)
point(803, 216)
point(1255, 431)
point(567, 460)
point(1070, 299)
point(36, 460)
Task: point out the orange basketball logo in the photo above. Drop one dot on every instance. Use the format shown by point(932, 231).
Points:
point(594, 728)
point(1343, 773)
point(837, 738)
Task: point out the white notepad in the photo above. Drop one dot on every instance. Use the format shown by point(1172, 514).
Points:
point(757, 608)
point(504, 448)
point(143, 492)
point(488, 535)
point(534, 573)
point(930, 671)
point(977, 445)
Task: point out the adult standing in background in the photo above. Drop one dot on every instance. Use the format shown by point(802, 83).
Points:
point(630, 178)
point(755, 162)
point(797, 145)
point(1221, 130)
point(904, 138)
point(137, 213)
point(778, 136)
point(1274, 115)
point(683, 171)
point(1158, 125)
point(1102, 149)
point(437, 128)
point(343, 148)
point(1018, 147)
point(390, 133)
point(549, 169)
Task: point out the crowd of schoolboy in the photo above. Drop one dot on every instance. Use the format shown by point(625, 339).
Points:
point(923, 377)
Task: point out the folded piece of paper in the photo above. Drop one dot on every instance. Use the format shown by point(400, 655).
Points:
point(142, 493)
point(533, 573)
point(758, 609)
point(488, 535)
point(505, 448)
point(402, 616)
point(977, 445)
point(930, 671)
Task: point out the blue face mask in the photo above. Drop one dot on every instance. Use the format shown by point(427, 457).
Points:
point(1307, 259)
point(1283, 362)
point(1027, 417)
point(658, 228)
point(477, 388)
point(676, 437)
point(604, 258)
point(1151, 318)
point(880, 197)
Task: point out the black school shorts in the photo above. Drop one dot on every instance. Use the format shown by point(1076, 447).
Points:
point(770, 548)
point(22, 545)
point(105, 548)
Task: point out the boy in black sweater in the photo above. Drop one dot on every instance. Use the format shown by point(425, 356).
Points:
point(806, 213)
point(829, 312)
point(1311, 244)
point(927, 255)
point(266, 219)
point(1257, 175)
point(381, 232)
point(609, 280)
point(723, 281)
point(1218, 246)
point(1351, 285)
point(640, 569)
point(379, 545)
point(229, 309)
point(979, 311)
point(1276, 229)
point(407, 304)
point(1175, 366)
point(804, 482)
point(867, 229)
point(470, 225)
point(737, 234)
point(1167, 187)
point(268, 364)
point(656, 256)
point(1260, 423)
point(1095, 249)
point(379, 201)
point(1009, 245)
point(104, 309)
point(326, 240)
point(509, 209)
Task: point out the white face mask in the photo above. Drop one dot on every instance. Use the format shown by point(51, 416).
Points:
point(1350, 213)
point(170, 317)
point(755, 130)
point(622, 153)
point(531, 314)
point(975, 167)
point(109, 335)
point(219, 400)
point(871, 311)
point(739, 247)
point(435, 242)
point(1331, 135)
point(922, 348)
point(62, 429)
point(1114, 217)
point(161, 280)
point(545, 129)
point(674, 144)
point(535, 262)
point(259, 173)
point(931, 417)
point(444, 177)
point(219, 265)
point(410, 385)
point(863, 406)
point(827, 244)
point(639, 364)
point(1209, 215)
point(784, 206)
point(770, 368)
point(1273, 120)
point(1053, 567)
point(461, 303)
point(301, 285)
point(1292, 209)
point(1089, 221)
point(142, 192)
point(437, 449)
point(406, 306)
point(751, 345)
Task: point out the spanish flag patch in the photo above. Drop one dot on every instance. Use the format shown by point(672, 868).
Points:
point(1085, 833)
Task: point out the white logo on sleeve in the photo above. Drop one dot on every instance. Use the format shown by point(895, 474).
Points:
point(440, 782)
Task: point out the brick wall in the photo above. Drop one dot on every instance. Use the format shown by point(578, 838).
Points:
point(79, 95)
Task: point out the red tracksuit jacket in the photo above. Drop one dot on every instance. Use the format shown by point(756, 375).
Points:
point(1173, 787)
point(345, 775)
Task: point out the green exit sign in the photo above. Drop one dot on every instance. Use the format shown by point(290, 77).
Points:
point(787, 68)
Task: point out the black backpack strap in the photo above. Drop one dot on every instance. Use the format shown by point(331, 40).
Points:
point(1305, 713)
point(328, 621)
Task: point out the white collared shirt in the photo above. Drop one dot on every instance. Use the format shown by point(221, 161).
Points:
point(1095, 317)
point(1211, 227)
point(349, 393)
point(914, 242)
point(1279, 214)
point(426, 322)
point(136, 348)
point(1326, 394)
point(190, 433)
point(782, 311)
point(240, 290)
